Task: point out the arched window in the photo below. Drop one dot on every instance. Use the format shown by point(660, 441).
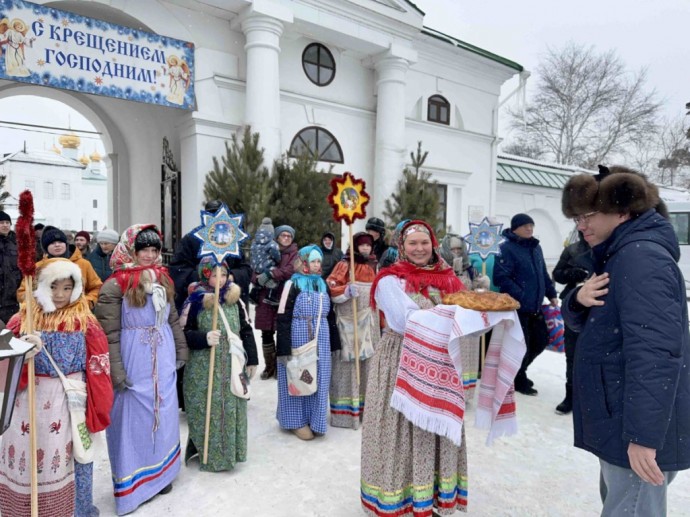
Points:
point(318, 64)
point(438, 110)
point(319, 142)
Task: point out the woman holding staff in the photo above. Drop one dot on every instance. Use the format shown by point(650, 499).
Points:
point(347, 398)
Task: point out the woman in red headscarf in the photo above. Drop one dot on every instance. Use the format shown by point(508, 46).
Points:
point(406, 470)
point(135, 308)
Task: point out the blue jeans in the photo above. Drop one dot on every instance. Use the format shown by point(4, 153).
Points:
point(624, 493)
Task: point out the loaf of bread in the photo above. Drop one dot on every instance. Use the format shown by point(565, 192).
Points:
point(482, 301)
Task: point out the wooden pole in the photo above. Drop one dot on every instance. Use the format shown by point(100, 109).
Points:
point(354, 302)
point(483, 348)
point(33, 439)
point(211, 363)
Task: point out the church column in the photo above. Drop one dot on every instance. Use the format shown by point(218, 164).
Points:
point(262, 26)
point(389, 160)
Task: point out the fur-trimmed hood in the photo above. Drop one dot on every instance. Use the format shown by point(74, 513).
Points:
point(232, 295)
point(57, 269)
point(615, 190)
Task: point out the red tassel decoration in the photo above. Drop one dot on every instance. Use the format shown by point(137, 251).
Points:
point(26, 237)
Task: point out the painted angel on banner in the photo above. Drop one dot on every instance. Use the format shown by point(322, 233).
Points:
point(13, 37)
point(178, 72)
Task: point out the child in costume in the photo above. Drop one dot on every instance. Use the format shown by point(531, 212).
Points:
point(228, 428)
point(347, 401)
point(147, 346)
point(265, 255)
point(69, 332)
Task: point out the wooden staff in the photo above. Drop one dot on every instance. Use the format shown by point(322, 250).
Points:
point(483, 347)
point(211, 363)
point(32, 400)
point(354, 302)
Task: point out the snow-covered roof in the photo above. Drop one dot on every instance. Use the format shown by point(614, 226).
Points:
point(43, 158)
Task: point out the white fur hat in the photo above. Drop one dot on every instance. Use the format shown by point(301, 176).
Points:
point(57, 269)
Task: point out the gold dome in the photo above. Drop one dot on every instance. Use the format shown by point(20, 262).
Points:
point(70, 141)
point(84, 159)
point(56, 150)
point(95, 157)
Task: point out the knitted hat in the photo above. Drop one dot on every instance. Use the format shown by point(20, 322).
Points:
point(4, 216)
point(213, 205)
point(520, 220)
point(267, 224)
point(363, 238)
point(84, 234)
point(285, 228)
point(39, 226)
point(376, 224)
point(109, 236)
point(147, 238)
point(50, 235)
point(615, 190)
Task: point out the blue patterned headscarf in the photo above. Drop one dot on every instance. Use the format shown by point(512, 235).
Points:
point(302, 278)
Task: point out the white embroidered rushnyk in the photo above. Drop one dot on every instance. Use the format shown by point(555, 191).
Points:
point(442, 328)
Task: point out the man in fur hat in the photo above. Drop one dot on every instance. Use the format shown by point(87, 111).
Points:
point(631, 404)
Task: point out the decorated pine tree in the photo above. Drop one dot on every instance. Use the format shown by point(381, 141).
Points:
point(416, 195)
point(300, 192)
point(240, 179)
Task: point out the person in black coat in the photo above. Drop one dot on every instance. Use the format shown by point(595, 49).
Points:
point(10, 276)
point(331, 254)
point(520, 271)
point(574, 267)
point(377, 230)
point(631, 398)
point(185, 260)
point(183, 271)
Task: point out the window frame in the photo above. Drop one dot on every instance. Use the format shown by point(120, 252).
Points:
point(319, 157)
point(48, 190)
point(318, 64)
point(438, 102)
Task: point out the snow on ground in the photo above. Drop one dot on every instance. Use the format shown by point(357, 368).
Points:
point(536, 473)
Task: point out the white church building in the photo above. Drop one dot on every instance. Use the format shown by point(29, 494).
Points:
point(358, 81)
point(69, 191)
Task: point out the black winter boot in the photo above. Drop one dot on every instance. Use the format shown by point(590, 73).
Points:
point(566, 406)
point(269, 350)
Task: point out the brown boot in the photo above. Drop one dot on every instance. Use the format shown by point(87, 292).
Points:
point(270, 359)
point(304, 433)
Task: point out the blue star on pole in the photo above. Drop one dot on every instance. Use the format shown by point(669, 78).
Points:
point(221, 234)
point(484, 238)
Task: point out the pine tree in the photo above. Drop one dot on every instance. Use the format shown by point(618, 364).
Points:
point(242, 182)
point(300, 193)
point(416, 196)
point(5, 194)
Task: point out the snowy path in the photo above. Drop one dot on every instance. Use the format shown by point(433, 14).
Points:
point(537, 473)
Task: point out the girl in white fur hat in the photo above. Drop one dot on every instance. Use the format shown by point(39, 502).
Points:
point(69, 332)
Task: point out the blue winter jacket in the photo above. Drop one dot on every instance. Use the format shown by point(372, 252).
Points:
point(520, 271)
point(631, 374)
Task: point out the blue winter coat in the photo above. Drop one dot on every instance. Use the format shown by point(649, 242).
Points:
point(631, 374)
point(520, 271)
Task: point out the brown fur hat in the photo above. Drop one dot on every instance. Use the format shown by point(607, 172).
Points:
point(615, 190)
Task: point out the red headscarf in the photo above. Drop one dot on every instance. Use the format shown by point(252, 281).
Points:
point(418, 279)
